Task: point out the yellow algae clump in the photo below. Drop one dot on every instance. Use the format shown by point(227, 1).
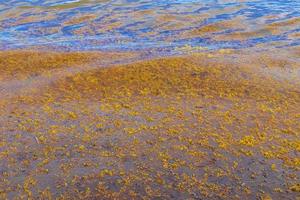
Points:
point(105, 172)
point(248, 140)
point(295, 188)
point(72, 115)
point(265, 197)
point(81, 147)
point(130, 131)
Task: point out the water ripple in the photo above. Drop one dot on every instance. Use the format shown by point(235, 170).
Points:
point(149, 24)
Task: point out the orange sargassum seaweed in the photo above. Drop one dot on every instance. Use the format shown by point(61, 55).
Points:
point(207, 125)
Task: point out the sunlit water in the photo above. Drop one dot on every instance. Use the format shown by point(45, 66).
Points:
point(153, 25)
point(215, 124)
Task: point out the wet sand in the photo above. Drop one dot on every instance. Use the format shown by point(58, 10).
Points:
point(210, 125)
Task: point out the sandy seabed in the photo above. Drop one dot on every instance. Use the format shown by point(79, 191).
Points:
point(92, 125)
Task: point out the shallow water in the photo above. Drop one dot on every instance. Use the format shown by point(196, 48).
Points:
point(152, 25)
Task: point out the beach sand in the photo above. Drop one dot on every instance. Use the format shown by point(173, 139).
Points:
point(208, 125)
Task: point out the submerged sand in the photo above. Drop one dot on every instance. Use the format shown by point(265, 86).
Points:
point(210, 125)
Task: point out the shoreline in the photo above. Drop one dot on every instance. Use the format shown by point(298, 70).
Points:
point(203, 125)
